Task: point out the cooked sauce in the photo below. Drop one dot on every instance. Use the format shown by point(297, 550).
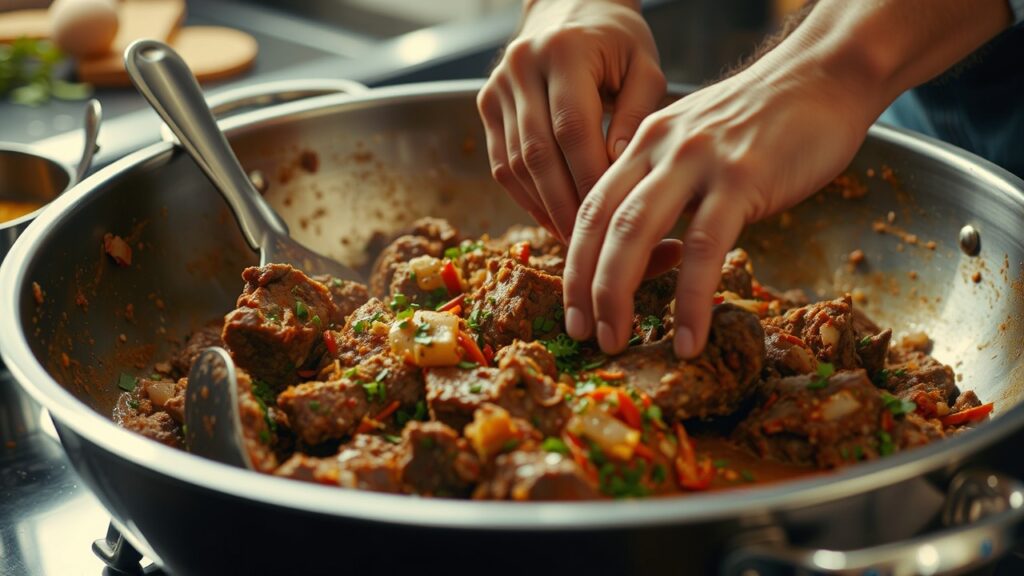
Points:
point(450, 375)
point(10, 209)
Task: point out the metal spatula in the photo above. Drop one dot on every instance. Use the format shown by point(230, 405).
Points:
point(163, 78)
point(213, 427)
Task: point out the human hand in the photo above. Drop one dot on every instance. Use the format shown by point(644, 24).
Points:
point(732, 153)
point(543, 105)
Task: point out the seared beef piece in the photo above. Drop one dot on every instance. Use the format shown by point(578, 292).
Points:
point(532, 354)
point(436, 461)
point(863, 325)
point(260, 421)
point(278, 325)
point(713, 384)
point(828, 422)
point(518, 302)
point(785, 354)
point(536, 475)
point(135, 412)
point(203, 338)
point(872, 350)
point(404, 282)
point(654, 294)
point(365, 333)
point(965, 401)
point(910, 373)
point(426, 236)
point(348, 295)
point(453, 394)
point(827, 328)
point(367, 462)
point(321, 411)
point(737, 274)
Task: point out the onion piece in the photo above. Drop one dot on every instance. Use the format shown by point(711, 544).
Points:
point(829, 334)
point(839, 405)
point(610, 434)
point(428, 272)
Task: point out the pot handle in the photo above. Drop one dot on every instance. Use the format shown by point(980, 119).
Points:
point(985, 512)
point(265, 94)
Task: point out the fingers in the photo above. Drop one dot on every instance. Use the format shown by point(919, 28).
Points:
point(517, 166)
point(494, 130)
point(588, 234)
point(576, 113)
point(541, 157)
point(642, 91)
point(645, 215)
point(713, 230)
point(665, 256)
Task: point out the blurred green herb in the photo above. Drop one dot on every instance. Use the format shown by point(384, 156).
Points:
point(27, 74)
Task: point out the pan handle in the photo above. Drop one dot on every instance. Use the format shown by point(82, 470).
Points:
point(227, 102)
point(985, 512)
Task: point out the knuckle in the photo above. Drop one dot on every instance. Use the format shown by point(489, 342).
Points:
point(628, 222)
point(503, 174)
point(517, 164)
point(518, 55)
point(569, 126)
point(561, 41)
point(701, 244)
point(590, 215)
point(604, 294)
point(537, 154)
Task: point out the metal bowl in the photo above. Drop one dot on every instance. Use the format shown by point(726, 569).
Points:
point(28, 176)
point(390, 155)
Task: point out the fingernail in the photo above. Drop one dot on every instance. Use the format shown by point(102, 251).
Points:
point(575, 323)
point(684, 342)
point(606, 336)
point(620, 145)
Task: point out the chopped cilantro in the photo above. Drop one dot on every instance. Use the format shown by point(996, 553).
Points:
point(422, 335)
point(863, 341)
point(596, 363)
point(650, 322)
point(474, 320)
point(452, 253)
point(658, 474)
point(634, 340)
point(376, 390)
point(133, 404)
point(653, 413)
point(510, 445)
point(467, 365)
point(399, 302)
point(403, 316)
point(625, 481)
point(885, 445)
point(565, 350)
point(262, 391)
point(126, 382)
point(351, 373)
point(359, 326)
point(475, 388)
point(825, 370)
point(420, 414)
point(335, 282)
point(858, 453)
point(552, 444)
point(720, 463)
point(265, 436)
point(392, 438)
point(897, 406)
point(301, 311)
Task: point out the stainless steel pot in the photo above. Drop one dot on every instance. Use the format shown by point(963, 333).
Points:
point(390, 155)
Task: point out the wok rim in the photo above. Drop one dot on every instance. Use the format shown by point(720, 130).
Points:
point(263, 489)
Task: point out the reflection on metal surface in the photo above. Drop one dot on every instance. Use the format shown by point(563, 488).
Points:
point(970, 240)
point(418, 46)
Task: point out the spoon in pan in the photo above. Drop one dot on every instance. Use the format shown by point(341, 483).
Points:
point(213, 424)
point(166, 82)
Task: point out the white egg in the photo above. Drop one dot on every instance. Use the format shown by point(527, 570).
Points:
point(83, 28)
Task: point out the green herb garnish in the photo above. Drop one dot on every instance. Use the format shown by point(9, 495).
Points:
point(127, 382)
point(301, 311)
point(897, 406)
point(467, 365)
point(552, 444)
point(392, 438)
point(885, 445)
point(825, 370)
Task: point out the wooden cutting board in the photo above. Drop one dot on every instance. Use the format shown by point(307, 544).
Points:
point(156, 19)
point(33, 24)
point(212, 52)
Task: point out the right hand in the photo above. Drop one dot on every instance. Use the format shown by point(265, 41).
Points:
point(543, 105)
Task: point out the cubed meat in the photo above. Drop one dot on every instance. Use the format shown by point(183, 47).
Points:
point(277, 327)
point(827, 328)
point(453, 394)
point(367, 462)
point(203, 338)
point(786, 354)
point(531, 354)
point(872, 351)
point(541, 241)
point(321, 411)
point(137, 413)
point(910, 372)
point(537, 475)
point(348, 295)
point(436, 461)
point(257, 413)
point(426, 236)
point(737, 274)
point(713, 384)
point(365, 333)
point(828, 422)
point(518, 302)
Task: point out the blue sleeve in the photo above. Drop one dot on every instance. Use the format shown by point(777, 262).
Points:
point(1018, 10)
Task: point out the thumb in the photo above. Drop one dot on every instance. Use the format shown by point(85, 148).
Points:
point(642, 90)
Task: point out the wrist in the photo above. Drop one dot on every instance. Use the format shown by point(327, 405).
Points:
point(529, 5)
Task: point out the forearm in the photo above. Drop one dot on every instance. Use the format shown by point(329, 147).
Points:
point(879, 49)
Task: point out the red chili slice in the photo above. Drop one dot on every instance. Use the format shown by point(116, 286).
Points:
point(969, 415)
point(450, 277)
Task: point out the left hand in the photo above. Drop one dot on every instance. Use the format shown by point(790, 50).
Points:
point(733, 152)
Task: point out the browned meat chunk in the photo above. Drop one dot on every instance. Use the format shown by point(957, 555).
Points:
point(785, 354)
point(910, 373)
point(321, 411)
point(203, 338)
point(532, 354)
point(713, 384)
point(518, 302)
point(365, 333)
point(536, 475)
point(827, 328)
point(427, 236)
point(348, 295)
point(541, 241)
point(278, 324)
point(651, 318)
point(827, 422)
point(367, 462)
point(138, 414)
point(737, 274)
point(453, 394)
point(404, 283)
point(872, 350)
point(260, 421)
point(437, 462)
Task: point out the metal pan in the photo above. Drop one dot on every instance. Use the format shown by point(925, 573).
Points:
point(390, 155)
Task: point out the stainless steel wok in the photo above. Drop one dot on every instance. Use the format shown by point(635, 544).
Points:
point(389, 155)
